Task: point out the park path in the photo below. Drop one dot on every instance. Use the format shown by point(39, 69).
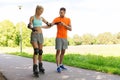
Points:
point(20, 68)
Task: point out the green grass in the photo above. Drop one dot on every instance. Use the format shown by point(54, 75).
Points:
point(92, 62)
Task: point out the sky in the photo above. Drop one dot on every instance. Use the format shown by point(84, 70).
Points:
point(87, 16)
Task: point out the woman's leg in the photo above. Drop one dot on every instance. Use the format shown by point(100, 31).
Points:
point(40, 53)
point(35, 66)
point(36, 50)
point(41, 69)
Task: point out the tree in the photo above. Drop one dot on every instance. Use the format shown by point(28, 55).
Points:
point(77, 39)
point(49, 41)
point(7, 31)
point(71, 41)
point(105, 38)
point(25, 34)
point(88, 39)
point(10, 34)
point(117, 38)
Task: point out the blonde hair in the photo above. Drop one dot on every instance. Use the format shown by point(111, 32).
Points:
point(38, 7)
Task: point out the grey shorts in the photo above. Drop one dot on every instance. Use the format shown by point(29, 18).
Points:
point(61, 43)
point(37, 37)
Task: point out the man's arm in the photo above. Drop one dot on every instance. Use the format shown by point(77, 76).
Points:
point(69, 27)
point(62, 23)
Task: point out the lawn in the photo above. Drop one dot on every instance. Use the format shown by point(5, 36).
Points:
point(103, 58)
point(108, 64)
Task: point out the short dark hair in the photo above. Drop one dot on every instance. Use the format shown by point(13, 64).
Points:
point(62, 8)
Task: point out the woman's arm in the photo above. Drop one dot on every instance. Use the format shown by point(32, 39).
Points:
point(45, 27)
point(46, 22)
point(30, 22)
point(48, 25)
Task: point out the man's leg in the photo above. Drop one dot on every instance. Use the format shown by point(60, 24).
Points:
point(64, 47)
point(58, 49)
point(61, 60)
point(58, 61)
point(62, 55)
point(57, 57)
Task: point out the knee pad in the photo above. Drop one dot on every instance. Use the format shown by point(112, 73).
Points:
point(36, 51)
point(40, 52)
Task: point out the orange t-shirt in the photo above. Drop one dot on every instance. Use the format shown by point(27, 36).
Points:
point(61, 30)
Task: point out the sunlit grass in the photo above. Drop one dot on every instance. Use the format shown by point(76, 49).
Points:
point(92, 62)
point(103, 58)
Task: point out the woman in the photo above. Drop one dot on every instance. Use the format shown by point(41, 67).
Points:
point(35, 24)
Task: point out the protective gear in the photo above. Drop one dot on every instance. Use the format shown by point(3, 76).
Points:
point(29, 26)
point(40, 52)
point(48, 24)
point(36, 51)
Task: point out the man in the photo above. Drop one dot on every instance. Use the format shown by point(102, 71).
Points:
point(63, 24)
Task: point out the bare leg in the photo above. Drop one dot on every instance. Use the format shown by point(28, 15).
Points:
point(57, 57)
point(62, 55)
point(40, 56)
point(35, 45)
point(35, 70)
point(41, 69)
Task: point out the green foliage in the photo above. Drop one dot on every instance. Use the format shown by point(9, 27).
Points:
point(77, 40)
point(23, 54)
point(105, 38)
point(10, 36)
point(117, 38)
point(7, 31)
point(92, 62)
point(49, 41)
point(71, 41)
point(50, 57)
point(88, 39)
point(25, 34)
